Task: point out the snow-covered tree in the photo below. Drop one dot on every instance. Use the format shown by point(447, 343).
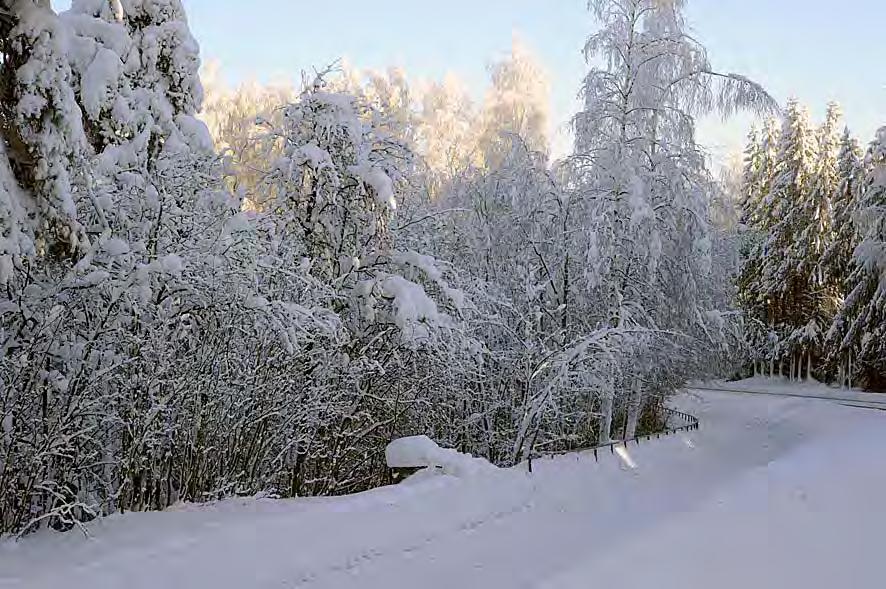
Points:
point(801, 212)
point(838, 261)
point(788, 282)
point(517, 103)
point(42, 126)
point(757, 221)
point(819, 231)
point(233, 117)
point(511, 231)
point(332, 187)
point(644, 182)
point(447, 133)
point(863, 320)
point(96, 371)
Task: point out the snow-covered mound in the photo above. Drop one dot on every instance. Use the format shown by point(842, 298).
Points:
point(423, 452)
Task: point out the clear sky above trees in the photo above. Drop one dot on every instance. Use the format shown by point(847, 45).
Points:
point(786, 45)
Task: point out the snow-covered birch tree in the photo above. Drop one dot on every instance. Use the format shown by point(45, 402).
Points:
point(644, 184)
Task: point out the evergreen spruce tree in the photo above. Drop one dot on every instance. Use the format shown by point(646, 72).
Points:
point(837, 262)
point(751, 178)
point(814, 235)
point(817, 235)
point(42, 125)
point(865, 310)
point(837, 259)
point(787, 289)
point(752, 238)
point(759, 205)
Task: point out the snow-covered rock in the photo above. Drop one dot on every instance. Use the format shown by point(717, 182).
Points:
point(423, 452)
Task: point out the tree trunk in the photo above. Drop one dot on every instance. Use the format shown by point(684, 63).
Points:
point(604, 434)
point(636, 403)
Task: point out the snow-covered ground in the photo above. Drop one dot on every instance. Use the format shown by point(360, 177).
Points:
point(770, 492)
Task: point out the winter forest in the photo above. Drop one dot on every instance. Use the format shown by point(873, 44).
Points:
point(214, 291)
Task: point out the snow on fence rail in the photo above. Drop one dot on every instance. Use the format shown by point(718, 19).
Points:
point(690, 423)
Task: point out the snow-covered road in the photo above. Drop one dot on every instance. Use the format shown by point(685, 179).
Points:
point(806, 390)
point(725, 503)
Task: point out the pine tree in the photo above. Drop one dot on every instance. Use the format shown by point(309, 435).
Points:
point(787, 290)
point(771, 138)
point(818, 233)
point(838, 262)
point(814, 237)
point(865, 309)
point(754, 224)
point(752, 172)
point(753, 295)
point(43, 124)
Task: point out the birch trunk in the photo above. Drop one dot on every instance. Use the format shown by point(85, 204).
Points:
point(636, 403)
point(604, 435)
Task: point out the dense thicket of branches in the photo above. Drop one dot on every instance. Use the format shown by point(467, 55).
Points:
point(812, 279)
point(188, 316)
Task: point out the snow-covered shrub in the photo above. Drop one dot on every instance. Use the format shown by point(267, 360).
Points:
point(167, 352)
point(332, 187)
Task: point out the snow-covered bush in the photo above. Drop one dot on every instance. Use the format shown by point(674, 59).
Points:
point(157, 349)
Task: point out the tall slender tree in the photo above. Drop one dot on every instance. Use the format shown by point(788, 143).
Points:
point(864, 315)
point(643, 178)
point(517, 104)
point(788, 290)
point(838, 262)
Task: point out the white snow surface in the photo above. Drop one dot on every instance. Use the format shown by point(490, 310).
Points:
point(771, 492)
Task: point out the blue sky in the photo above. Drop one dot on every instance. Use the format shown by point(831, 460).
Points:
point(812, 49)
